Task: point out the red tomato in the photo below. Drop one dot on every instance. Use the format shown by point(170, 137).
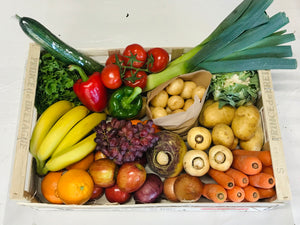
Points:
point(114, 194)
point(111, 77)
point(133, 78)
point(135, 55)
point(112, 59)
point(158, 59)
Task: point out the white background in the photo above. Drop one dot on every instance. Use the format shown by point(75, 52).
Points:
point(103, 24)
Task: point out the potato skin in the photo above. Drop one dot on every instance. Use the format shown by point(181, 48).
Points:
point(256, 142)
point(222, 134)
point(245, 122)
point(211, 114)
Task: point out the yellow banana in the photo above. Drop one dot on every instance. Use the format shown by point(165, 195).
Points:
point(59, 130)
point(79, 131)
point(46, 121)
point(71, 155)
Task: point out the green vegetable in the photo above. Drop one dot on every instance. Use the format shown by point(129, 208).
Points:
point(237, 44)
point(54, 83)
point(56, 47)
point(235, 89)
point(125, 103)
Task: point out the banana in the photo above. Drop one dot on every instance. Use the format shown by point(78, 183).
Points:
point(71, 155)
point(79, 131)
point(59, 130)
point(45, 122)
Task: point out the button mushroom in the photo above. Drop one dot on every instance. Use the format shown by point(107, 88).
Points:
point(196, 163)
point(220, 157)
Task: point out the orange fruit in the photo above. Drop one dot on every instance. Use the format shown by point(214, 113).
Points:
point(83, 164)
point(49, 187)
point(75, 187)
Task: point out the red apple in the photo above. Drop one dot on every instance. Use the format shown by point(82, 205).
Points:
point(131, 176)
point(97, 192)
point(103, 172)
point(114, 194)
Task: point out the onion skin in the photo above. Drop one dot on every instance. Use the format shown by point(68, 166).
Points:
point(169, 189)
point(150, 191)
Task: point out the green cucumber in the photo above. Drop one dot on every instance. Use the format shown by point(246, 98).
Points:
point(56, 47)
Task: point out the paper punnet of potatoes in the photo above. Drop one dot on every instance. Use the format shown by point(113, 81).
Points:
point(176, 104)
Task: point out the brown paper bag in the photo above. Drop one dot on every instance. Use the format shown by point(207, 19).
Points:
point(182, 122)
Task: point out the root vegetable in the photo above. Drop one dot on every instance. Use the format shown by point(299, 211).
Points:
point(256, 142)
point(168, 189)
point(220, 157)
point(188, 89)
point(211, 114)
point(221, 178)
point(262, 180)
point(222, 134)
point(188, 188)
point(199, 138)
point(175, 102)
point(188, 103)
point(266, 192)
point(160, 100)
point(236, 194)
point(240, 179)
point(199, 91)
point(177, 111)
point(245, 122)
point(263, 156)
point(158, 112)
point(175, 87)
point(195, 163)
point(215, 192)
point(250, 165)
point(251, 194)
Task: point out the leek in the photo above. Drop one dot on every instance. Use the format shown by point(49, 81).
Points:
point(247, 39)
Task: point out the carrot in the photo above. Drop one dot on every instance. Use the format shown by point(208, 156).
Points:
point(247, 164)
point(262, 180)
point(236, 194)
point(266, 193)
point(240, 179)
point(214, 192)
point(136, 121)
point(221, 178)
point(264, 156)
point(268, 170)
point(251, 194)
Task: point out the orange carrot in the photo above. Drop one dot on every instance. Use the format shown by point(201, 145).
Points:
point(262, 180)
point(266, 193)
point(236, 194)
point(214, 192)
point(240, 179)
point(221, 178)
point(268, 170)
point(247, 164)
point(264, 156)
point(136, 121)
point(251, 194)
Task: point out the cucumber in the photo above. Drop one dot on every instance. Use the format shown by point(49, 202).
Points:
point(56, 47)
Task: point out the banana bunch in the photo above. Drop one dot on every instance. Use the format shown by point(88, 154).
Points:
point(63, 135)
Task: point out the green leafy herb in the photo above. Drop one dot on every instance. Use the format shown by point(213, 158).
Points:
point(55, 82)
point(235, 88)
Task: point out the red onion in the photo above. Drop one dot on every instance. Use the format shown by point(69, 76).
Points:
point(150, 191)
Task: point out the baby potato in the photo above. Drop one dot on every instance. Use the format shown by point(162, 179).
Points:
point(160, 100)
point(245, 122)
point(211, 114)
point(177, 111)
point(158, 112)
point(175, 102)
point(199, 91)
point(188, 103)
point(188, 88)
point(175, 87)
point(222, 134)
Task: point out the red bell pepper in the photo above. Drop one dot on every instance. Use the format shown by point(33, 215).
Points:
point(90, 90)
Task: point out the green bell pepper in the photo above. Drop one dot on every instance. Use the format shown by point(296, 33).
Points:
point(125, 103)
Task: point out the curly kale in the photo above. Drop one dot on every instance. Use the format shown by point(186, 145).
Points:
point(54, 83)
